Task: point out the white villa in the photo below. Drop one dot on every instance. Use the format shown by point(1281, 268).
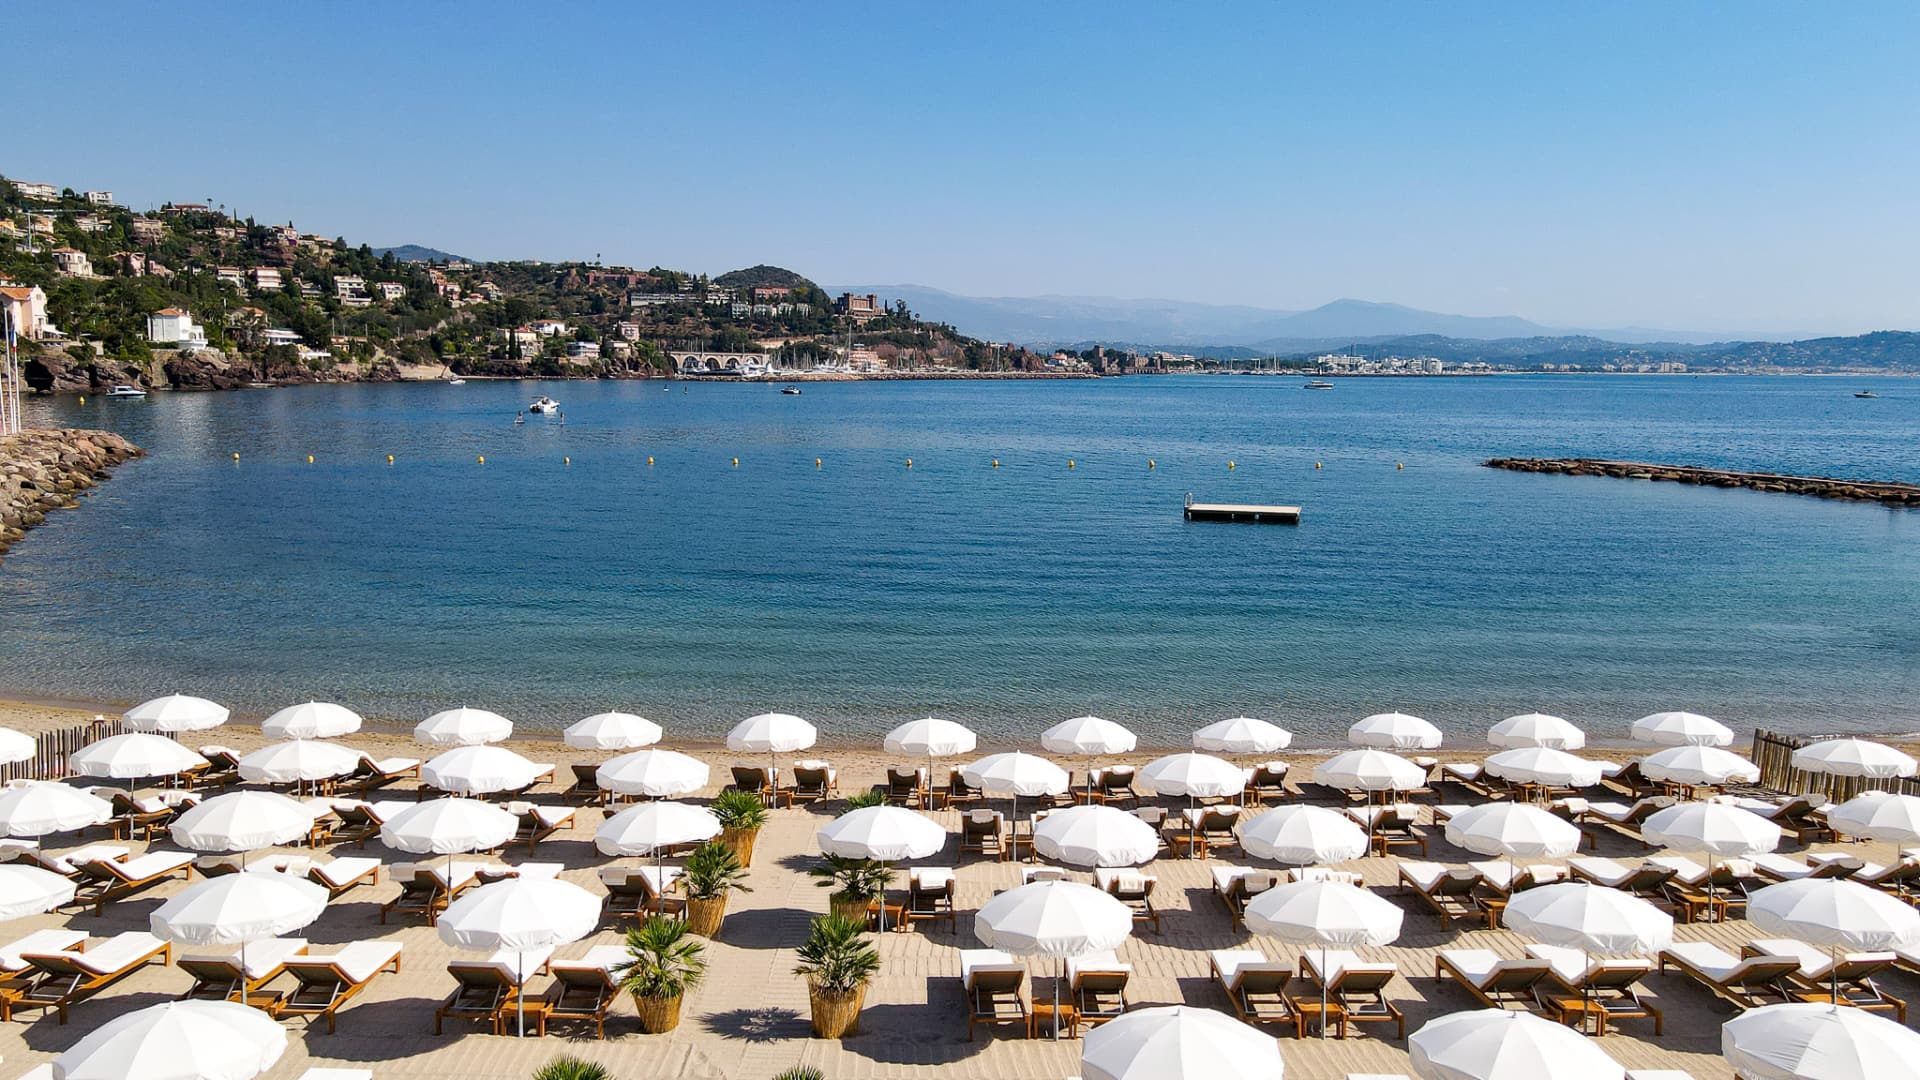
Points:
point(26, 309)
point(172, 326)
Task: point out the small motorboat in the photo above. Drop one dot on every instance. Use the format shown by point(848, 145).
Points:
point(519, 418)
point(790, 390)
point(124, 390)
point(1858, 393)
point(544, 405)
point(1316, 384)
point(456, 381)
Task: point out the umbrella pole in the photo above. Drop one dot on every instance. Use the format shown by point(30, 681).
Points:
point(1059, 972)
point(1323, 990)
point(520, 990)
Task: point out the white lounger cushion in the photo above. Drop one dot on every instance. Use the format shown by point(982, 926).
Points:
point(346, 868)
point(1327, 966)
point(337, 1074)
point(72, 861)
point(154, 862)
point(1816, 963)
point(1481, 965)
point(1257, 880)
point(521, 964)
point(48, 940)
point(1500, 873)
point(1127, 877)
point(394, 764)
point(116, 952)
point(976, 960)
point(931, 877)
point(1105, 960)
point(361, 960)
point(1713, 961)
point(1573, 966)
point(601, 957)
point(262, 956)
point(1604, 871)
point(1230, 963)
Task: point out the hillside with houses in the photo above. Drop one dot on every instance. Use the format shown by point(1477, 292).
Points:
point(190, 297)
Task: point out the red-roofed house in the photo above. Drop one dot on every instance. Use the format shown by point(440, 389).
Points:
point(26, 308)
point(172, 326)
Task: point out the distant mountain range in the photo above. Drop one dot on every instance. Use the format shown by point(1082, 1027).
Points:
point(416, 253)
point(1057, 320)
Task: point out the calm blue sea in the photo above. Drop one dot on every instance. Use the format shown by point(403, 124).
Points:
point(861, 592)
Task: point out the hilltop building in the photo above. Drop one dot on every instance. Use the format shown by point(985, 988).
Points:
point(26, 309)
point(172, 326)
point(860, 308)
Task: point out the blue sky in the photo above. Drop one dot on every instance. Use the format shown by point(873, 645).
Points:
point(1721, 167)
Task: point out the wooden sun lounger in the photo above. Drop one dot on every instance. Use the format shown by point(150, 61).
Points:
point(1235, 885)
point(586, 789)
point(1605, 987)
point(635, 893)
point(222, 978)
point(1358, 987)
point(425, 890)
point(107, 880)
point(1269, 781)
point(327, 983)
point(1497, 982)
point(69, 864)
point(63, 978)
point(484, 991)
point(930, 893)
point(1131, 887)
point(1098, 983)
point(1644, 880)
point(539, 822)
point(1853, 973)
point(371, 774)
point(1256, 986)
point(812, 782)
point(1448, 890)
point(992, 981)
point(985, 832)
point(343, 874)
point(584, 990)
point(14, 968)
point(1748, 983)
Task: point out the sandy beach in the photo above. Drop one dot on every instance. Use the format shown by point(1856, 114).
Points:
point(749, 1018)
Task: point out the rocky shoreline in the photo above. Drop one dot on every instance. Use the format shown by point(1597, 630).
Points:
point(47, 470)
point(1825, 487)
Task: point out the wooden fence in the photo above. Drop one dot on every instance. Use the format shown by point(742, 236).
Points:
point(52, 748)
point(1774, 754)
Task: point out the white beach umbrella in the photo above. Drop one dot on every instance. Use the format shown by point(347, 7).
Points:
point(1588, 917)
point(242, 821)
point(1303, 836)
point(177, 1040)
point(1056, 919)
point(1324, 915)
point(479, 770)
point(1543, 765)
point(1016, 774)
point(175, 712)
point(1698, 765)
point(29, 890)
point(1369, 770)
point(882, 833)
point(1193, 775)
point(462, 727)
point(930, 738)
point(1502, 1044)
point(1394, 731)
point(43, 806)
point(650, 828)
point(1854, 757)
point(1876, 815)
point(234, 909)
point(1096, 836)
point(1537, 729)
point(1682, 729)
point(654, 774)
point(311, 720)
point(1087, 736)
point(770, 734)
point(1839, 916)
point(15, 746)
point(1714, 829)
point(1818, 1041)
point(447, 827)
point(520, 913)
point(299, 761)
point(133, 756)
point(611, 731)
point(1179, 1042)
point(1242, 735)
point(1514, 830)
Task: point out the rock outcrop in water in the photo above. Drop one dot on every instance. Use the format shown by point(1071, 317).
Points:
point(1892, 494)
point(47, 470)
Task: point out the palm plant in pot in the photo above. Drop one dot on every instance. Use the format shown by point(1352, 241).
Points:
point(838, 962)
point(664, 962)
point(741, 815)
point(858, 884)
point(711, 873)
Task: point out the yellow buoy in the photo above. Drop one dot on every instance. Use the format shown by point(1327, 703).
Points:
point(566, 461)
point(649, 461)
point(1316, 464)
point(736, 462)
point(816, 463)
point(996, 463)
point(389, 459)
point(236, 455)
point(309, 459)
point(1069, 463)
point(909, 463)
point(1399, 465)
point(83, 399)
point(1150, 463)
point(483, 459)
point(1231, 465)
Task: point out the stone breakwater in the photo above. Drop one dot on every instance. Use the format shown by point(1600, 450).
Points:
point(1825, 487)
point(47, 470)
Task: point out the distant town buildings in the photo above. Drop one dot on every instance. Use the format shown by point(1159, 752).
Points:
point(26, 311)
point(278, 336)
point(583, 350)
point(172, 326)
point(860, 308)
point(40, 192)
point(231, 275)
point(72, 262)
point(99, 198)
point(266, 278)
point(390, 290)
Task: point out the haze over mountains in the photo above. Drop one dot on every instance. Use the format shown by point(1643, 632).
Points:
point(1058, 320)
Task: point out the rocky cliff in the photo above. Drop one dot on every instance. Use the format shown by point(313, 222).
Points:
point(47, 470)
point(58, 371)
